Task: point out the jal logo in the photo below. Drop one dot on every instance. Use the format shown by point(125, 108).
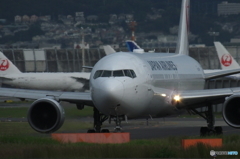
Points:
point(226, 60)
point(4, 65)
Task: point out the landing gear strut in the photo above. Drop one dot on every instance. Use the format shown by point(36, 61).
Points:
point(117, 120)
point(209, 117)
point(98, 120)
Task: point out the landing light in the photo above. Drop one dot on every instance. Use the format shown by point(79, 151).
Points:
point(164, 95)
point(176, 98)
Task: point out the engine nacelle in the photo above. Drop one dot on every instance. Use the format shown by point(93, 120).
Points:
point(231, 111)
point(46, 115)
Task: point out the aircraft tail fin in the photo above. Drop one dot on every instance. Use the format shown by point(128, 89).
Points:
point(6, 66)
point(225, 58)
point(182, 42)
point(132, 45)
point(108, 49)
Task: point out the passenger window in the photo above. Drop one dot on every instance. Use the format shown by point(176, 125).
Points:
point(118, 73)
point(127, 73)
point(133, 73)
point(97, 74)
point(107, 74)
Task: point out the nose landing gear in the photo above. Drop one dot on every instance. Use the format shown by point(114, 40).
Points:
point(117, 120)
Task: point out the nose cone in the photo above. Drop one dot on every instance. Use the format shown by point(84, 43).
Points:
point(107, 94)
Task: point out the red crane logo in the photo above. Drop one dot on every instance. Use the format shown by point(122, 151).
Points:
point(226, 60)
point(4, 65)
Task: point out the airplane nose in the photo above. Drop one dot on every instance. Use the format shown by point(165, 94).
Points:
point(108, 94)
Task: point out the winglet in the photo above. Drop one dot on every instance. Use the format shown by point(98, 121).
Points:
point(6, 66)
point(225, 58)
point(182, 43)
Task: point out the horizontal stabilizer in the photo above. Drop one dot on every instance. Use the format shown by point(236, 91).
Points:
point(87, 67)
point(84, 81)
point(6, 78)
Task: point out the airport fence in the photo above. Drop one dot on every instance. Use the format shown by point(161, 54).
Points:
point(71, 60)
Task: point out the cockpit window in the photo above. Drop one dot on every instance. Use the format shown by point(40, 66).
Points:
point(118, 73)
point(106, 74)
point(127, 73)
point(97, 74)
point(133, 74)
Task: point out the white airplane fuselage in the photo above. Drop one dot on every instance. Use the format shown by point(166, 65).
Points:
point(46, 81)
point(167, 73)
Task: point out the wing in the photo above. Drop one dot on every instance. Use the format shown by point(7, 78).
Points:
point(221, 73)
point(72, 97)
point(198, 98)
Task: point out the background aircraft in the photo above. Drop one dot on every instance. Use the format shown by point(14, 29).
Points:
point(225, 58)
point(131, 85)
point(11, 75)
point(108, 49)
point(227, 62)
point(134, 47)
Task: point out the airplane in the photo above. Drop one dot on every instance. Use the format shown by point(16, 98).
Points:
point(134, 47)
point(226, 61)
point(225, 58)
point(108, 49)
point(131, 85)
point(11, 75)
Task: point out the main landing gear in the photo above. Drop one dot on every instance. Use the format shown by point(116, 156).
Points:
point(209, 117)
point(98, 120)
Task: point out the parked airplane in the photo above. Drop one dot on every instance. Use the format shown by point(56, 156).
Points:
point(225, 58)
point(131, 85)
point(108, 49)
point(134, 47)
point(11, 75)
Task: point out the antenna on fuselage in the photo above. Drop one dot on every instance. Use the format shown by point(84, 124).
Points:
point(182, 42)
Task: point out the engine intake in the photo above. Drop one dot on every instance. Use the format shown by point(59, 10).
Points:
point(231, 111)
point(46, 115)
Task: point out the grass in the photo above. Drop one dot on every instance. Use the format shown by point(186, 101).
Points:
point(23, 146)
point(18, 140)
point(21, 128)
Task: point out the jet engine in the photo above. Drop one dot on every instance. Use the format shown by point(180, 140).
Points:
point(46, 115)
point(231, 111)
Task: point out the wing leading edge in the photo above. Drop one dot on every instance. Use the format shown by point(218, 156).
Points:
point(72, 97)
point(198, 98)
point(218, 74)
